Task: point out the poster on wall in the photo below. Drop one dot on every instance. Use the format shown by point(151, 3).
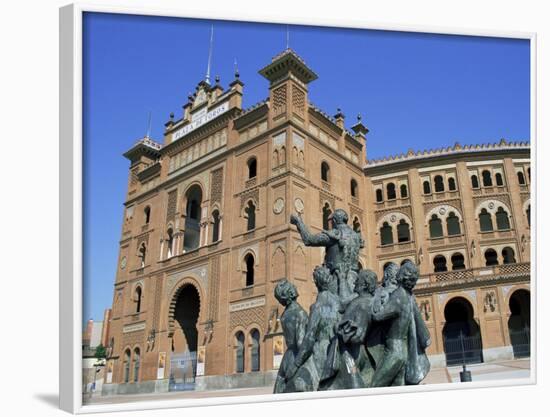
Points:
point(201, 359)
point(161, 365)
point(278, 351)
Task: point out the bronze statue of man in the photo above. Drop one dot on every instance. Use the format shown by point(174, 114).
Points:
point(293, 322)
point(348, 364)
point(342, 245)
point(323, 318)
point(398, 311)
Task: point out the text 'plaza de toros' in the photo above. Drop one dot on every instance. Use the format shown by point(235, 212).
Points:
point(206, 236)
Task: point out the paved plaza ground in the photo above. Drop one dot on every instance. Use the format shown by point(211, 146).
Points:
point(513, 369)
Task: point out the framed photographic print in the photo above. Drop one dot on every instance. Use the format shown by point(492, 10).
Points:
point(258, 210)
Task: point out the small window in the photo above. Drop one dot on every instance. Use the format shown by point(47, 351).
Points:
point(487, 180)
point(404, 192)
point(426, 187)
point(169, 243)
point(438, 184)
point(503, 221)
point(508, 255)
point(239, 352)
point(127, 366)
point(136, 364)
point(485, 221)
point(475, 181)
point(528, 213)
point(436, 229)
point(379, 196)
point(353, 188)
point(491, 257)
point(137, 295)
point(457, 261)
point(453, 224)
point(147, 214)
point(403, 231)
point(356, 225)
point(386, 234)
point(327, 212)
point(249, 262)
point(215, 226)
point(440, 264)
point(325, 172)
point(390, 191)
point(250, 211)
point(452, 184)
point(529, 173)
point(255, 351)
point(252, 167)
point(521, 178)
point(498, 179)
point(142, 254)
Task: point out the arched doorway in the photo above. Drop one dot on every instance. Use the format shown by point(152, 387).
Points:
point(191, 238)
point(461, 335)
point(183, 360)
point(519, 323)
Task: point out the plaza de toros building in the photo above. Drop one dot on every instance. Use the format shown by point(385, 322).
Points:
point(206, 236)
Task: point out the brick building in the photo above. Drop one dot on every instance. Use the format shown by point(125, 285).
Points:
point(206, 235)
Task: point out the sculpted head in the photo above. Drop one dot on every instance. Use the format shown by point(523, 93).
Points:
point(285, 292)
point(390, 274)
point(339, 217)
point(322, 278)
point(408, 275)
point(366, 282)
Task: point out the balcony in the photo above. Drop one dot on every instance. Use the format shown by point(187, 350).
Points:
point(441, 195)
point(502, 271)
point(496, 234)
point(489, 190)
point(394, 202)
point(446, 240)
point(397, 247)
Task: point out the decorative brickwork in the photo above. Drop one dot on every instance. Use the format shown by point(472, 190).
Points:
point(279, 99)
point(298, 100)
point(216, 190)
point(172, 205)
point(244, 318)
point(213, 296)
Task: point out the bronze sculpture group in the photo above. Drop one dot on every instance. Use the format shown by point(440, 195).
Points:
point(357, 334)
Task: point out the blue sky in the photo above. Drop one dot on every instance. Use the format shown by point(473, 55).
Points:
point(413, 90)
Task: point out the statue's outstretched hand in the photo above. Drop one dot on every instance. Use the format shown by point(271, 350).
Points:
point(294, 219)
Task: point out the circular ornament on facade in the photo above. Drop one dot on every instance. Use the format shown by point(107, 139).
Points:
point(123, 262)
point(278, 206)
point(299, 205)
point(442, 211)
point(393, 218)
point(491, 205)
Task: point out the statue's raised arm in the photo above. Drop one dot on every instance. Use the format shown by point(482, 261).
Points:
point(310, 239)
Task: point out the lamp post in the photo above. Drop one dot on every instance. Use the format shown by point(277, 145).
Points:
point(465, 375)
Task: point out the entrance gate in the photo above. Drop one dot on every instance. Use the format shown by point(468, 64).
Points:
point(183, 368)
point(463, 349)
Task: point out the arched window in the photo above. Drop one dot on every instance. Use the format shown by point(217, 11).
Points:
point(440, 264)
point(491, 257)
point(239, 352)
point(127, 366)
point(325, 172)
point(498, 179)
point(528, 213)
point(426, 187)
point(436, 229)
point(136, 364)
point(169, 243)
point(379, 196)
point(326, 215)
point(438, 184)
point(404, 192)
point(356, 225)
point(215, 226)
point(147, 214)
point(453, 224)
point(487, 180)
point(386, 234)
point(249, 262)
point(508, 255)
point(353, 186)
point(142, 253)
point(521, 178)
point(503, 221)
point(457, 260)
point(485, 221)
point(403, 231)
point(137, 296)
point(390, 191)
point(191, 237)
point(475, 182)
point(252, 167)
point(250, 212)
point(452, 184)
point(255, 350)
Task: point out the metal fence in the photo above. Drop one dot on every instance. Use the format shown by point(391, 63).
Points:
point(521, 342)
point(463, 350)
point(183, 369)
